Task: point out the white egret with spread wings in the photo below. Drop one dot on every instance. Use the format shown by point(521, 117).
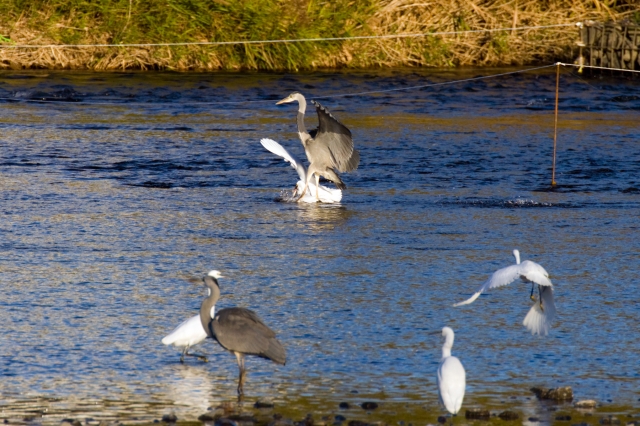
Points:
point(325, 195)
point(543, 311)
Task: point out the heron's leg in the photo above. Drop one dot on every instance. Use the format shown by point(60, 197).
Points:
point(304, 190)
point(186, 348)
point(243, 372)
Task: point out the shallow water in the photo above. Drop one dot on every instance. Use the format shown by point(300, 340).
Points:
point(121, 190)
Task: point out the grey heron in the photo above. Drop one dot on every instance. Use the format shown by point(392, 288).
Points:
point(189, 333)
point(451, 376)
point(543, 311)
point(238, 330)
point(329, 148)
point(326, 195)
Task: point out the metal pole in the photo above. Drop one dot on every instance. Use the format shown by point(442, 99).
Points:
point(555, 127)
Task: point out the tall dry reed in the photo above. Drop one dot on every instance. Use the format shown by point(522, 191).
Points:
point(153, 21)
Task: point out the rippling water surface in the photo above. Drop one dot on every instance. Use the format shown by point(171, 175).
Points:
point(121, 190)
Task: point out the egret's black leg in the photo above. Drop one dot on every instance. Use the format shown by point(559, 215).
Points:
point(183, 353)
point(532, 288)
point(200, 357)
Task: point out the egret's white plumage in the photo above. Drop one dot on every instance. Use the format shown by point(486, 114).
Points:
point(190, 332)
point(451, 376)
point(542, 313)
point(326, 195)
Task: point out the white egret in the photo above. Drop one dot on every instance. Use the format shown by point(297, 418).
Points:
point(543, 311)
point(325, 195)
point(188, 333)
point(451, 376)
point(238, 330)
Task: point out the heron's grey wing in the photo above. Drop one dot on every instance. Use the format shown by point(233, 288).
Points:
point(278, 150)
point(337, 138)
point(241, 330)
point(535, 273)
point(499, 278)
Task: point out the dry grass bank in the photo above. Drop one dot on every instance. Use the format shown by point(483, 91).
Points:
point(56, 22)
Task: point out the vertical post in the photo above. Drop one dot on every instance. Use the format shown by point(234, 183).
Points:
point(555, 127)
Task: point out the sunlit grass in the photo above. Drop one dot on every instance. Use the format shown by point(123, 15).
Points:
point(179, 21)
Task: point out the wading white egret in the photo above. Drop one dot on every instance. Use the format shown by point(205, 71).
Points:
point(325, 195)
point(329, 148)
point(188, 333)
point(451, 376)
point(543, 311)
point(238, 330)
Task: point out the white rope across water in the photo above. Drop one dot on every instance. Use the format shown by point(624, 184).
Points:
point(298, 40)
point(597, 68)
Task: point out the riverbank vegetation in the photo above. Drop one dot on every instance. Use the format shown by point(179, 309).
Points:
point(114, 22)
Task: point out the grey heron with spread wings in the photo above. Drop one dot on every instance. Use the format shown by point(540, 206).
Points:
point(329, 148)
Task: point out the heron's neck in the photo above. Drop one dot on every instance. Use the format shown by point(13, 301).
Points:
point(516, 254)
point(207, 308)
point(302, 108)
point(302, 129)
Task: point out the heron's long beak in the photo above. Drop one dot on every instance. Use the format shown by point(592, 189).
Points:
point(285, 101)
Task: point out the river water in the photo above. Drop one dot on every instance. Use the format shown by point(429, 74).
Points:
point(120, 191)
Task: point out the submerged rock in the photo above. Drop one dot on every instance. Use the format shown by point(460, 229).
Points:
point(556, 394)
point(564, 418)
point(344, 405)
point(509, 415)
point(442, 419)
point(369, 405)
point(169, 418)
point(477, 414)
point(263, 403)
point(611, 420)
point(586, 403)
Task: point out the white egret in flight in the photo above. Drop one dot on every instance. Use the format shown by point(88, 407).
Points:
point(543, 311)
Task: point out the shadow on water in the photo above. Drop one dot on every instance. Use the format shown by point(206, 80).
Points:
point(125, 189)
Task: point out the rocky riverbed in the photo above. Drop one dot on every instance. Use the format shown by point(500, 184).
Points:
point(353, 411)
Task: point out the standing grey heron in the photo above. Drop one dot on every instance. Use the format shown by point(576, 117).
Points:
point(329, 148)
point(188, 333)
point(543, 311)
point(238, 330)
point(451, 376)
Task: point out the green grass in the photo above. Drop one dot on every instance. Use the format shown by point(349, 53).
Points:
point(179, 21)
